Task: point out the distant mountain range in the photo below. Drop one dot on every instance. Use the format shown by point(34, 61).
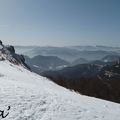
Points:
point(89, 70)
point(45, 63)
point(70, 54)
point(42, 63)
point(79, 61)
point(25, 95)
point(110, 58)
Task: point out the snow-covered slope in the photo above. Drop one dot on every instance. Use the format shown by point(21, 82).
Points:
point(33, 97)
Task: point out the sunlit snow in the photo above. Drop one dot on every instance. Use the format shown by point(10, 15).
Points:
point(33, 97)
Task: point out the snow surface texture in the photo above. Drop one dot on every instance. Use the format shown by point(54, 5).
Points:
point(33, 97)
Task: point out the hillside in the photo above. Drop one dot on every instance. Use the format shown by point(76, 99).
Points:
point(33, 97)
point(93, 79)
point(25, 95)
point(42, 63)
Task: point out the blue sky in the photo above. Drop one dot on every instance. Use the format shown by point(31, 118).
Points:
point(60, 22)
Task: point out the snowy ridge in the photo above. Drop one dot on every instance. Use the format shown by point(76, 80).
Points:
point(33, 97)
point(7, 52)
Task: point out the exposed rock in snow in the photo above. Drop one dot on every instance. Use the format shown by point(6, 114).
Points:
point(8, 53)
